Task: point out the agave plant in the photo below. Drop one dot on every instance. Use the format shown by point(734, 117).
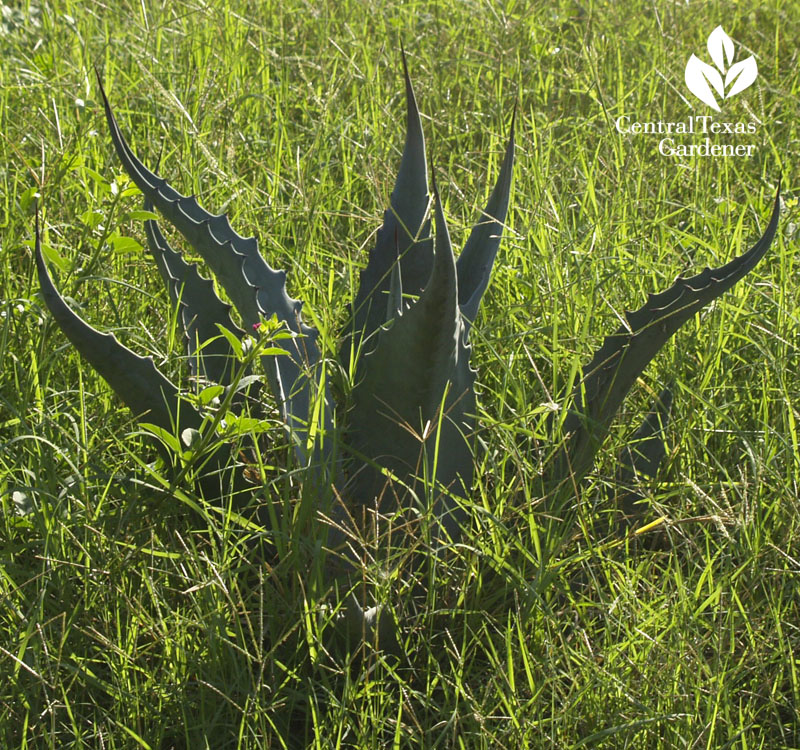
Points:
point(403, 438)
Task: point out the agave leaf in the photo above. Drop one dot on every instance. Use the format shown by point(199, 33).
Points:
point(200, 310)
point(136, 380)
point(624, 355)
point(257, 290)
point(405, 233)
point(413, 404)
point(475, 263)
point(394, 303)
point(641, 458)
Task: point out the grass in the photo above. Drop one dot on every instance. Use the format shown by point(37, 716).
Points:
point(128, 620)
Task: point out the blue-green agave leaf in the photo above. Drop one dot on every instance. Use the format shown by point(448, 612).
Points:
point(623, 356)
point(136, 380)
point(413, 402)
point(257, 290)
point(405, 233)
point(200, 310)
point(475, 263)
point(394, 304)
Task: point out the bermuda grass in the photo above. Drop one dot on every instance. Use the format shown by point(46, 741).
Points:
point(128, 619)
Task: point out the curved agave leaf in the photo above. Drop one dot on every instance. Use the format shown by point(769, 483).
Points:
point(201, 311)
point(475, 263)
point(136, 380)
point(413, 404)
point(405, 234)
point(624, 355)
point(257, 290)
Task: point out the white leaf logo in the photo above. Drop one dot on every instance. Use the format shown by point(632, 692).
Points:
point(740, 76)
point(698, 77)
point(726, 79)
point(720, 47)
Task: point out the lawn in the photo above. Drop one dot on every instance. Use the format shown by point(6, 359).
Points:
point(132, 615)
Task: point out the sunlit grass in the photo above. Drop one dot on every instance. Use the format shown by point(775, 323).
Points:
point(128, 620)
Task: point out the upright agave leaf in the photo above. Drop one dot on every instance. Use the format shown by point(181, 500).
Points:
point(200, 311)
point(412, 414)
point(257, 290)
point(413, 405)
point(405, 234)
point(404, 238)
point(623, 356)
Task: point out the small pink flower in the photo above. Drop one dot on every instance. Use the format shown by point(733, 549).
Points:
point(256, 326)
